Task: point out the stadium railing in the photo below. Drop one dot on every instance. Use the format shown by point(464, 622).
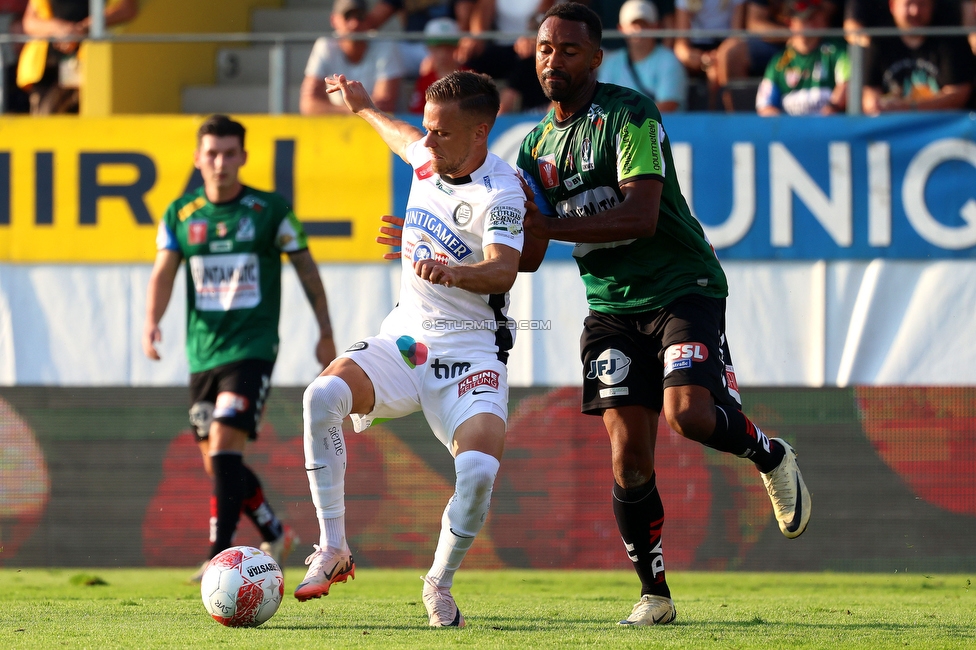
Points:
point(278, 82)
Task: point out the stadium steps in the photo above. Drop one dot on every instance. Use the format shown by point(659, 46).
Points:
point(243, 72)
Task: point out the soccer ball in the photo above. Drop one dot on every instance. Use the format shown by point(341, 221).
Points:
point(242, 587)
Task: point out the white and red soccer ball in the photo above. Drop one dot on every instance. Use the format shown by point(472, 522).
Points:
point(242, 587)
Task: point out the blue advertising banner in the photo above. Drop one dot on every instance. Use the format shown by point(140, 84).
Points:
point(796, 188)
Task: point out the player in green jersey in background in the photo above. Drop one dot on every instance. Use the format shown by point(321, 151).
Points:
point(600, 163)
point(232, 238)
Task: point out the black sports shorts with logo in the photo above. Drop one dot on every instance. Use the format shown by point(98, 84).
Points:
point(233, 394)
point(629, 359)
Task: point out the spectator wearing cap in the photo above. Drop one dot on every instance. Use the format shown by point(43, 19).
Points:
point(644, 65)
point(376, 64)
point(910, 72)
point(810, 76)
point(414, 17)
point(442, 36)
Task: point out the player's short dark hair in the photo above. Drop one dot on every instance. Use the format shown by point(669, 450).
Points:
point(474, 92)
point(581, 14)
point(220, 126)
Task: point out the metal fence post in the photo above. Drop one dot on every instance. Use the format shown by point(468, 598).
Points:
point(278, 79)
point(96, 14)
point(855, 85)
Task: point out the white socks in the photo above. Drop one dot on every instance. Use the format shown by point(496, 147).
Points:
point(326, 402)
point(465, 513)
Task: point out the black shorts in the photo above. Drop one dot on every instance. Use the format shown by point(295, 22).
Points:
point(233, 394)
point(629, 359)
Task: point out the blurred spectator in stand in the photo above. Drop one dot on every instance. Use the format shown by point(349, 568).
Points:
point(748, 57)
point(414, 17)
point(968, 10)
point(375, 63)
point(12, 98)
point(442, 35)
point(609, 12)
point(810, 76)
point(50, 72)
point(708, 58)
point(521, 92)
point(909, 73)
point(877, 13)
point(499, 58)
point(644, 65)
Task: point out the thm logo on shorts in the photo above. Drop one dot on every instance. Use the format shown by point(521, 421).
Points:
point(611, 367)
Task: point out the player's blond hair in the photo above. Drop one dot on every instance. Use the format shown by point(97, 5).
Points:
point(474, 92)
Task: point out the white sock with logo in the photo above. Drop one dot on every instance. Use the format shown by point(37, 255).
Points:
point(326, 402)
point(465, 513)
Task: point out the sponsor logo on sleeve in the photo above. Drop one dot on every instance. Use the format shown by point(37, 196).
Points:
point(680, 356)
point(548, 172)
point(487, 181)
point(196, 233)
point(611, 367)
point(425, 171)
point(505, 218)
point(229, 404)
point(484, 378)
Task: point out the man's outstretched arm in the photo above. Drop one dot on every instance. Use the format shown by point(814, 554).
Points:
point(396, 134)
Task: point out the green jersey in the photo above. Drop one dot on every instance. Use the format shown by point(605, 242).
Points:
point(802, 84)
point(576, 169)
point(233, 272)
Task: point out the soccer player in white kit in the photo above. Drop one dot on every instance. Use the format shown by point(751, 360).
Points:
point(443, 348)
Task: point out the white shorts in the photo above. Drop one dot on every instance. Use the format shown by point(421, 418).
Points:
point(447, 385)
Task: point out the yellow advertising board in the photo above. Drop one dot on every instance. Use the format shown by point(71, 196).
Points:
point(93, 189)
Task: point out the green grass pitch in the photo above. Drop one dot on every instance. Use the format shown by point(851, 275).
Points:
point(156, 608)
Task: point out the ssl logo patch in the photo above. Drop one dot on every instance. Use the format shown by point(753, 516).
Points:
point(680, 356)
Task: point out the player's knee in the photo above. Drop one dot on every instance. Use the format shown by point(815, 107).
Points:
point(476, 474)
point(328, 396)
point(692, 423)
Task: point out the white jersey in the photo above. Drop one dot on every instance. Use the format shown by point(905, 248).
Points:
point(452, 221)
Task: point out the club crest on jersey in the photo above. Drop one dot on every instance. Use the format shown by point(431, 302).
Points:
point(680, 356)
point(245, 230)
point(196, 233)
point(462, 213)
point(611, 367)
point(425, 171)
point(586, 156)
point(548, 172)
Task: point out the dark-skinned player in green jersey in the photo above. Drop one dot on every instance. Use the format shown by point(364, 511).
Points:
point(232, 237)
point(601, 170)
